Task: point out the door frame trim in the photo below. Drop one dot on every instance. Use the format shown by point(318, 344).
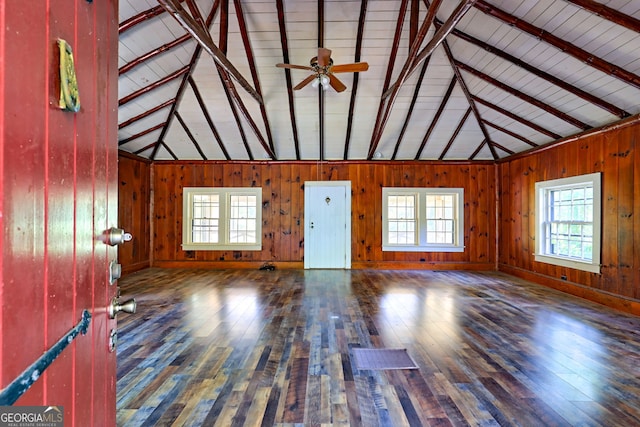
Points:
point(347, 187)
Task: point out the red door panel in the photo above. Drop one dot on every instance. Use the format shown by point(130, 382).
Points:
point(58, 195)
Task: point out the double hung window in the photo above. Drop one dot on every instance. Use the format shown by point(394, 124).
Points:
point(568, 222)
point(422, 219)
point(222, 218)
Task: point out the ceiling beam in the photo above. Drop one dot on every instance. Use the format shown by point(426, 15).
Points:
point(566, 47)
point(287, 74)
point(524, 121)
point(141, 59)
point(436, 117)
point(202, 36)
point(407, 118)
point(252, 67)
point(125, 99)
point(387, 79)
point(455, 133)
point(146, 113)
point(527, 98)
point(543, 75)
point(510, 133)
point(609, 14)
point(227, 84)
point(141, 134)
point(356, 77)
point(190, 135)
point(208, 118)
point(183, 85)
point(467, 94)
point(415, 48)
point(140, 18)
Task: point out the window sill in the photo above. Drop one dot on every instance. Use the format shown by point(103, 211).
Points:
point(208, 247)
point(400, 248)
point(563, 262)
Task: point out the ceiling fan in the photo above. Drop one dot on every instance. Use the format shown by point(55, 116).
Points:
point(324, 70)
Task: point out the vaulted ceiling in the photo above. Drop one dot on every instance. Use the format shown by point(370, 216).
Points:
point(447, 79)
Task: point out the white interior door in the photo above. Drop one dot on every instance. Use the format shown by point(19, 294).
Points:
point(327, 224)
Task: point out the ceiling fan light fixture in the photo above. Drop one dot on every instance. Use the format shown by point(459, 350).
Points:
point(321, 80)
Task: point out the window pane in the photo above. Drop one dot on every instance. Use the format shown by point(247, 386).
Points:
point(242, 219)
point(205, 222)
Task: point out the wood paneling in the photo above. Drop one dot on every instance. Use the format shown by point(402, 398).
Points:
point(283, 210)
point(134, 201)
point(615, 154)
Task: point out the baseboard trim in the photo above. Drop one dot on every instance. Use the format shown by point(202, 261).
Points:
point(422, 265)
point(616, 302)
point(132, 268)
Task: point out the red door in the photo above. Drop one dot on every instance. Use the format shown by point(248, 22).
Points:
point(58, 195)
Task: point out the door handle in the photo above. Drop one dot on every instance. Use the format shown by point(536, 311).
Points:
point(129, 306)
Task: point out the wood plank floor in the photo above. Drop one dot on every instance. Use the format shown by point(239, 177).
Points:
point(234, 348)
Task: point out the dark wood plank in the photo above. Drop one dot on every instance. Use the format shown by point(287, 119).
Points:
point(250, 347)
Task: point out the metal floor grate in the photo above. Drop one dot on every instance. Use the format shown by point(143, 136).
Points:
point(383, 358)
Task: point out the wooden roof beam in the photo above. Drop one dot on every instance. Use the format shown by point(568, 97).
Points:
point(375, 138)
point(146, 113)
point(543, 75)
point(436, 117)
point(609, 14)
point(356, 77)
point(416, 42)
point(141, 134)
point(519, 119)
point(183, 84)
point(287, 74)
point(455, 133)
point(208, 118)
point(252, 67)
point(141, 59)
point(566, 47)
point(140, 18)
point(190, 135)
point(411, 107)
point(467, 94)
point(202, 36)
point(527, 98)
point(152, 86)
point(510, 133)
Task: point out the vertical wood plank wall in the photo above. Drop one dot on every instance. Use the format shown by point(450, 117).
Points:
point(283, 210)
point(134, 197)
point(615, 154)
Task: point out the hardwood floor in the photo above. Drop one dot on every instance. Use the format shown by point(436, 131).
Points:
point(242, 347)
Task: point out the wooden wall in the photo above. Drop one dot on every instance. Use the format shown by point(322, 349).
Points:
point(283, 210)
point(613, 152)
point(134, 202)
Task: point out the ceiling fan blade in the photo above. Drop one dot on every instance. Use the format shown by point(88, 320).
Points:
point(336, 84)
point(305, 82)
point(293, 66)
point(324, 57)
point(350, 68)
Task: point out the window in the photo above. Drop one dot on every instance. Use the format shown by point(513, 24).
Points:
point(422, 219)
point(568, 222)
point(222, 218)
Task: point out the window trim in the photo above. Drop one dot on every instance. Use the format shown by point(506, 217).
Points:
point(225, 193)
point(421, 220)
point(541, 189)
